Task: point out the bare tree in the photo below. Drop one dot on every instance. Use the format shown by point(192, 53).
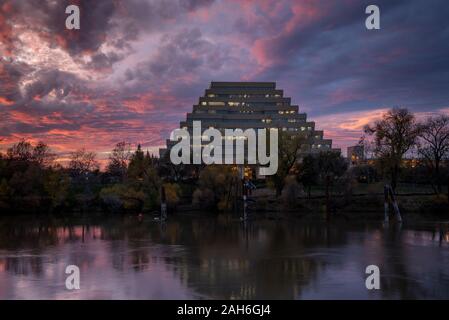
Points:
point(394, 135)
point(434, 144)
point(82, 162)
point(26, 152)
point(21, 151)
point(43, 155)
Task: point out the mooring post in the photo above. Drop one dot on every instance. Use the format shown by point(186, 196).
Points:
point(163, 204)
point(395, 204)
point(244, 190)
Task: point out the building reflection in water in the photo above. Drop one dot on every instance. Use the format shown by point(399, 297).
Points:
point(219, 257)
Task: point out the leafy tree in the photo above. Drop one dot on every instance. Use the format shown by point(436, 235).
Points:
point(172, 193)
point(121, 197)
point(56, 185)
point(136, 169)
point(394, 135)
point(140, 190)
point(308, 172)
point(215, 185)
point(331, 163)
point(434, 146)
point(331, 166)
point(119, 160)
point(289, 147)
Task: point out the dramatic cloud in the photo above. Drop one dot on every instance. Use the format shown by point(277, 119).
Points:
point(137, 66)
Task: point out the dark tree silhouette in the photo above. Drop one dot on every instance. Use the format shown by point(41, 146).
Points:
point(394, 135)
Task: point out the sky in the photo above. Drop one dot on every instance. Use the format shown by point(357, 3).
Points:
point(136, 67)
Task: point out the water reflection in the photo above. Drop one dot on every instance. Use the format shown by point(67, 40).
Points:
point(219, 257)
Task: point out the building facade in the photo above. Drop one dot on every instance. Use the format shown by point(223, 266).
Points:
point(356, 155)
point(257, 105)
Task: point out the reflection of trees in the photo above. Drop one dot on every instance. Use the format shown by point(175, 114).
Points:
point(216, 257)
point(406, 275)
point(25, 242)
point(392, 247)
point(263, 260)
point(23, 265)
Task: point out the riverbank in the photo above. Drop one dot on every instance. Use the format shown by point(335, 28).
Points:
point(415, 207)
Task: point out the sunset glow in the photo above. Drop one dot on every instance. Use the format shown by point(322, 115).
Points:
point(136, 67)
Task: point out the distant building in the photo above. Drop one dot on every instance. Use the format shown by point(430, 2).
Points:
point(257, 105)
point(356, 154)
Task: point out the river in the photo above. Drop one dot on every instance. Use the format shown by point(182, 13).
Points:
point(219, 257)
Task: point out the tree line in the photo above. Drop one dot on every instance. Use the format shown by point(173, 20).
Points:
point(399, 134)
point(31, 180)
point(388, 144)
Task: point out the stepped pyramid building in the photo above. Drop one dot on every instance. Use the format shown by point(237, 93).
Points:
point(257, 105)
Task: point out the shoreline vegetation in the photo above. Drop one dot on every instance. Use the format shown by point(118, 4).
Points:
point(317, 186)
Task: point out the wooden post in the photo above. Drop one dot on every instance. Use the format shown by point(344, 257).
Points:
point(242, 184)
point(389, 195)
point(395, 206)
point(163, 204)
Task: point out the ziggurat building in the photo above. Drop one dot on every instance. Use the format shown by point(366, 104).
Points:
point(257, 105)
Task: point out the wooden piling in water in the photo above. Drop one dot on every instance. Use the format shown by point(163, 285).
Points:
point(389, 196)
point(163, 204)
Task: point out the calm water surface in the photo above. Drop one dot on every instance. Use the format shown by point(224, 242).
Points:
point(220, 258)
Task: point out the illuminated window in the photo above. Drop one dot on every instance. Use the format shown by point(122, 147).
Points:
point(204, 103)
point(291, 120)
point(216, 103)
